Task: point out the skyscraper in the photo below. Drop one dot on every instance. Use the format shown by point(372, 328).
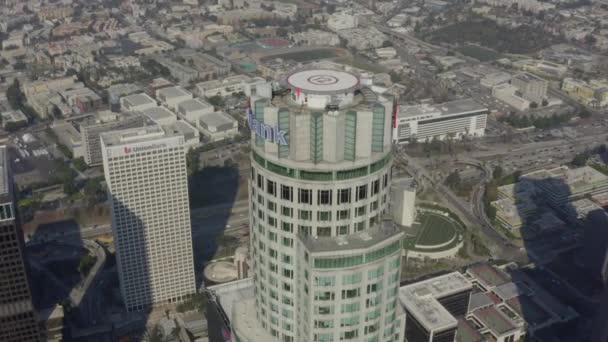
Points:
point(326, 266)
point(18, 320)
point(145, 169)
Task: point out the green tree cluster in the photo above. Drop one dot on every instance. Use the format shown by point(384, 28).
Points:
point(86, 263)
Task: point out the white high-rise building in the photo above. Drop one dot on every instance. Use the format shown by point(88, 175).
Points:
point(326, 265)
point(145, 170)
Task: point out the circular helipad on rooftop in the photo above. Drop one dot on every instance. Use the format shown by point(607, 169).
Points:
point(220, 272)
point(323, 81)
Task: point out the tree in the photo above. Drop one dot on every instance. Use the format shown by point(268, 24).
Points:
point(533, 105)
point(216, 101)
point(79, 164)
point(583, 114)
point(69, 188)
point(14, 95)
point(545, 103)
point(193, 161)
point(498, 172)
point(86, 263)
point(282, 32)
point(387, 43)
point(94, 192)
point(453, 180)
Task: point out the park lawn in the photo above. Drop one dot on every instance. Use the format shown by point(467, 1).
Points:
point(436, 230)
point(306, 56)
point(479, 53)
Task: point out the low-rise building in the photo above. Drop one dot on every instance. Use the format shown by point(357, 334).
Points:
point(386, 53)
point(217, 126)
point(229, 86)
point(170, 97)
point(342, 21)
point(191, 134)
point(13, 119)
point(494, 79)
point(160, 115)
point(193, 109)
point(137, 102)
point(593, 93)
point(532, 87)
point(363, 38)
point(450, 119)
point(509, 94)
point(69, 137)
point(313, 37)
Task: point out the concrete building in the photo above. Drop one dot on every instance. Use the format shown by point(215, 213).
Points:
point(18, 319)
point(105, 121)
point(145, 171)
point(160, 115)
point(327, 267)
point(69, 137)
point(170, 97)
point(403, 202)
point(192, 110)
point(137, 102)
point(494, 79)
point(13, 119)
point(593, 93)
point(313, 37)
point(229, 86)
point(217, 126)
point(425, 122)
point(532, 87)
point(341, 21)
point(431, 307)
point(509, 94)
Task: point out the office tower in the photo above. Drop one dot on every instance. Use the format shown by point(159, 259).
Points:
point(18, 320)
point(145, 170)
point(326, 266)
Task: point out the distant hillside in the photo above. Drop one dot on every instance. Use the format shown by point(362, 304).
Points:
point(524, 39)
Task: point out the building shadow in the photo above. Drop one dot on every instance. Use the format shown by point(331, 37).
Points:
point(213, 195)
point(564, 235)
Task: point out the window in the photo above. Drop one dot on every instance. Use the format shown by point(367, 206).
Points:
point(351, 279)
point(326, 281)
point(373, 206)
point(288, 242)
point(353, 307)
point(305, 215)
point(360, 211)
point(324, 197)
point(361, 192)
point(286, 259)
point(324, 324)
point(352, 293)
point(324, 231)
point(359, 226)
point(271, 187)
point(272, 206)
point(287, 227)
point(272, 221)
point(305, 230)
point(325, 310)
point(272, 236)
point(324, 216)
point(343, 214)
point(375, 273)
point(373, 220)
point(260, 182)
point(385, 181)
point(374, 287)
point(325, 295)
point(287, 211)
point(375, 187)
point(305, 196)
point(286, 193)
point(344, 196)
point(342, 230)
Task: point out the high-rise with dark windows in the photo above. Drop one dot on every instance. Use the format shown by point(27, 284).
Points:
point(18, 319)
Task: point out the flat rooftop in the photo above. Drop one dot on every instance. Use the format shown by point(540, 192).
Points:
point(139, 99)
point(405, 184)
point(132, 135)
point(323, 81)
point(528, 77)
point(488, 275)
point(421, 300)
point(232, 293)
point(217, 119)
point(361, 240)
point(172, 92)
point(157, 113)
point(494, 320)
point(192, 105)
point(451, 108)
